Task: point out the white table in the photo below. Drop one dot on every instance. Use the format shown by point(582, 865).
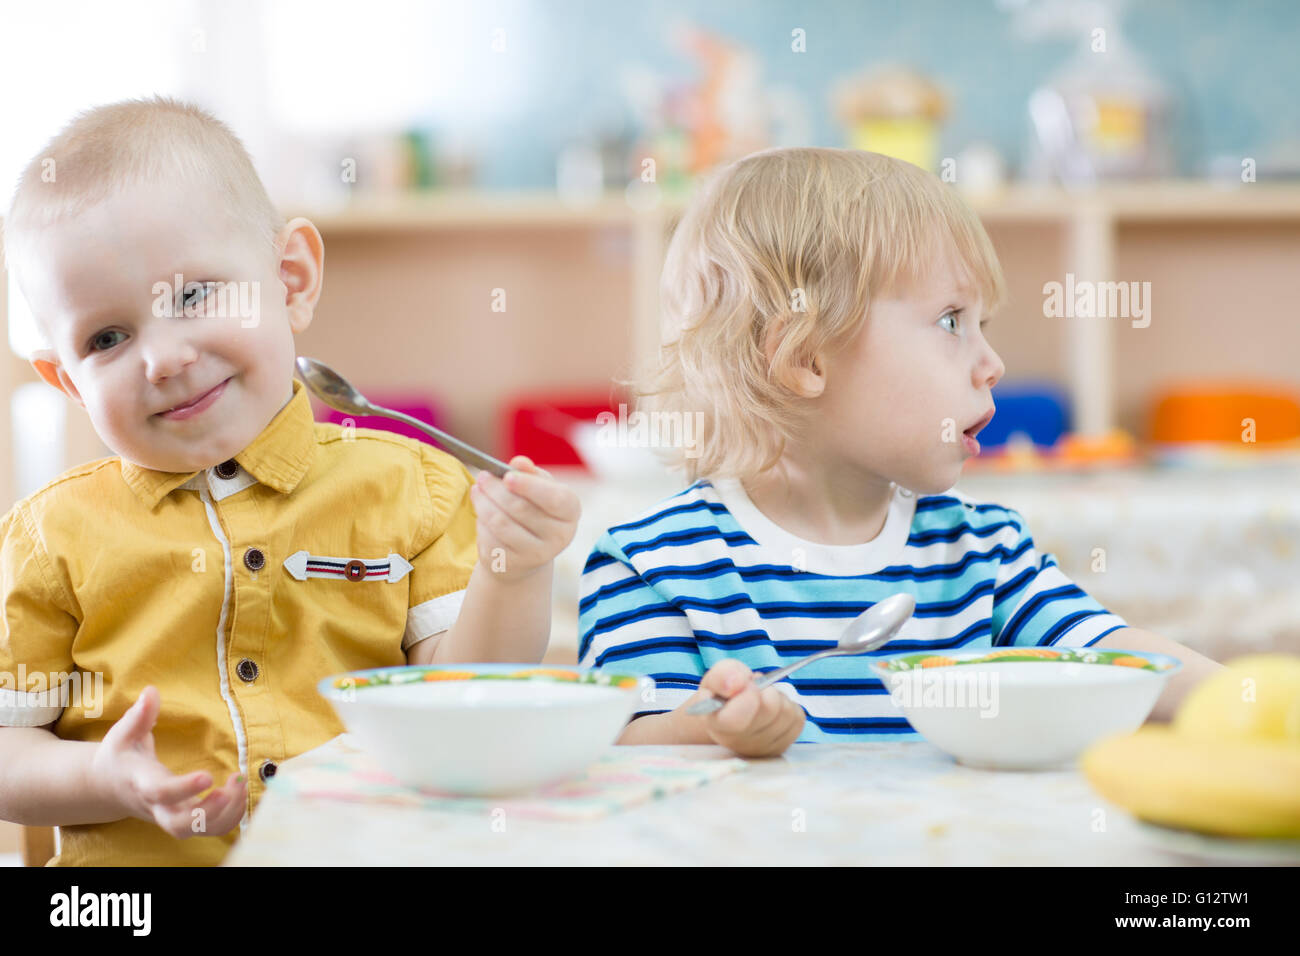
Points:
point(891, 803)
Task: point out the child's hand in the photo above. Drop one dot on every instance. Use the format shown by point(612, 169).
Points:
point(126, 766)
point(524, 520)
point(753, 723)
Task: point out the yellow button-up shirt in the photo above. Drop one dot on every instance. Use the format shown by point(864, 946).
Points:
point(318, 549)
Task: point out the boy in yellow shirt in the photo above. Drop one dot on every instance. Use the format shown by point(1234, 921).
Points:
point(165, 614)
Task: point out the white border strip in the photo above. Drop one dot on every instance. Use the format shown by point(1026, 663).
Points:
point(240, 739)
point(432, 617)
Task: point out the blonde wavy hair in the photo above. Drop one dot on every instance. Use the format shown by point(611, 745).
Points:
point(792, 244)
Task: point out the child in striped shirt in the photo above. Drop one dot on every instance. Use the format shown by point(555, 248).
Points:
point(826, 313)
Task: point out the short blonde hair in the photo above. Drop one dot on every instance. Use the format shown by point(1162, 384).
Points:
point(130, 142)
point(827, 230)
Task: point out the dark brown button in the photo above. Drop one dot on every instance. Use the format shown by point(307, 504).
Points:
point(228, 469)
point(247, 671)
point(355, 570)
point(267, 770)
point(254, 560)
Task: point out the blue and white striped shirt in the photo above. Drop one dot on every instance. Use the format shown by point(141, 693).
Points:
point(704, 576)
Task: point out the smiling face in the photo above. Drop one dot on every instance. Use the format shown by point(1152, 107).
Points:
point(919, 373)
point(127, 347)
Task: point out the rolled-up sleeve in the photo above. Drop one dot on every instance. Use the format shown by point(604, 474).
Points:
point(38, 623)
point(441, 569)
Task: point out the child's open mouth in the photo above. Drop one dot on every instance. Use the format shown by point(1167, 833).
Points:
point(968, 436)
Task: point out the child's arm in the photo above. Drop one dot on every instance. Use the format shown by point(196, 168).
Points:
point(53, 782)
point(48, 781)
point(502, 619)
point(522, 523)
point(1196, 667)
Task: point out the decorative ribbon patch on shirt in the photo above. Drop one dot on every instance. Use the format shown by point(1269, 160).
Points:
point(303, 565)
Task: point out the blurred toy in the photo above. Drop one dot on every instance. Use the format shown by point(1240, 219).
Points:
point(1104, 115)
point(691, 126)
point(725, 113)
point(1237, 416)
point(1038, 411)
point(893, 110)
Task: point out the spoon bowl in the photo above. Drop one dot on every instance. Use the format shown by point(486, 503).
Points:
point(871, 629)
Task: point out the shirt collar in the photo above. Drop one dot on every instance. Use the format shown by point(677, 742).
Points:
point(278, 457)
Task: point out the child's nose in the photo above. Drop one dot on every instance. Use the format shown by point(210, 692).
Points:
point(990, 369)
point(166, 356)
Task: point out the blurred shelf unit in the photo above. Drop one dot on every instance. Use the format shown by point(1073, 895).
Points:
point(467, 210)
point(1084, 228)
point(1170, 201)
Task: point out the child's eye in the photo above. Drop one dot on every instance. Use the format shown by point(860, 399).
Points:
point(192, 296)
point(950, 314)
point(100, 337)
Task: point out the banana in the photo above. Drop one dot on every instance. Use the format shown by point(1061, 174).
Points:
point(1254, 697)
point(1237, 788)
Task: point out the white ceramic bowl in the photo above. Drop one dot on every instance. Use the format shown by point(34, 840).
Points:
point(1024, 708)
point(484, 729)
point(611, 461)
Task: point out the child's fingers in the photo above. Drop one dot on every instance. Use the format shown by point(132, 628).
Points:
point(501, 526)
point(234, 810)
point(791, 728)
point(545, 492)
point(180, 819)
point(524, 463)
point(774, 741)
point(767, 716)
point(737, 714)
point(229, 818)
point(133, 728)
point(518, 507)
point(175, 789)
point(140, 717)
point(727, 678)
point(774, 718)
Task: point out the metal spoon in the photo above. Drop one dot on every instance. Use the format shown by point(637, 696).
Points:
point(869, 630)
point(337, 392)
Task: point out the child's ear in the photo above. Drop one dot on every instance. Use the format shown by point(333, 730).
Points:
point(808, 381)
point(46, 363)
point(805, 377)
point(302, 270)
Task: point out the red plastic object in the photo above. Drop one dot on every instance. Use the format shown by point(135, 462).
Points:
point(537, 425)
point(409, 403)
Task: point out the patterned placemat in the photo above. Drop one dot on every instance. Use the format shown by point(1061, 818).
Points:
point(623, 777)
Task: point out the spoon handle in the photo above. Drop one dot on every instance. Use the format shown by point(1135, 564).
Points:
point(710, 704)
point(771, 677)
point(466, 453)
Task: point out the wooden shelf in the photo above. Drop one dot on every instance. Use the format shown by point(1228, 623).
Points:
point(448, 210)
point(1163, 201)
